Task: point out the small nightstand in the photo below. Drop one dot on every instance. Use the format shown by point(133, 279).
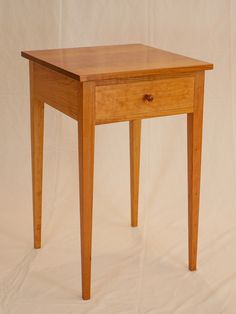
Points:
point(107, 84)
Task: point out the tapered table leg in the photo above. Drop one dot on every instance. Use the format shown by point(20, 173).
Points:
point(86, 128)
point(37, 117)
point(194, 128)
point(37, 122)
point(135, 139)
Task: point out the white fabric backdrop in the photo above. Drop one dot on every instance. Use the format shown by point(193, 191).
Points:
point(141, 270)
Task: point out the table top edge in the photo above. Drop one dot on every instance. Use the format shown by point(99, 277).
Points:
point(119, 74)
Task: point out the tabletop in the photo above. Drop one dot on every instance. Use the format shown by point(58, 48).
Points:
point(116, 61)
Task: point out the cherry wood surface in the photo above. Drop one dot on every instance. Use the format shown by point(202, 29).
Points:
point(86, 133)
point(194, 141)
point(135, 142)
point(37, 130)
point(107, 62)
point(144, 99)
point(107, 84)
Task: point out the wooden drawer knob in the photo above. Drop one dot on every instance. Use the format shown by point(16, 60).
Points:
point(148, 97)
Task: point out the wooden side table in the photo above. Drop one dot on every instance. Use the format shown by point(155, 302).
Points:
point(108, 84)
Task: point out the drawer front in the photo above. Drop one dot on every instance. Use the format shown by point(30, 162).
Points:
point(144, 99)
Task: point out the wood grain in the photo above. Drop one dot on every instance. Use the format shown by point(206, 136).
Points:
point(117, 61)
point(122, 102)
point(194, 129)
point(37, 125)
point(135, 139)
point(86, 129)
point(57, 90)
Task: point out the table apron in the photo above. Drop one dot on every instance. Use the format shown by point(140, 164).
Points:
point(123, 101)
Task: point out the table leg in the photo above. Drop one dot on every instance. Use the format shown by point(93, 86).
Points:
point(37, 121)
point(135, 139)
point(86, 128)
point(194, 128)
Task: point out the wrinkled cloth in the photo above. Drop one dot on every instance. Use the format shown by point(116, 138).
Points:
point(134, 270)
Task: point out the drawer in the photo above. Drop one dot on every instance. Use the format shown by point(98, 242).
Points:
point(144, 99)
